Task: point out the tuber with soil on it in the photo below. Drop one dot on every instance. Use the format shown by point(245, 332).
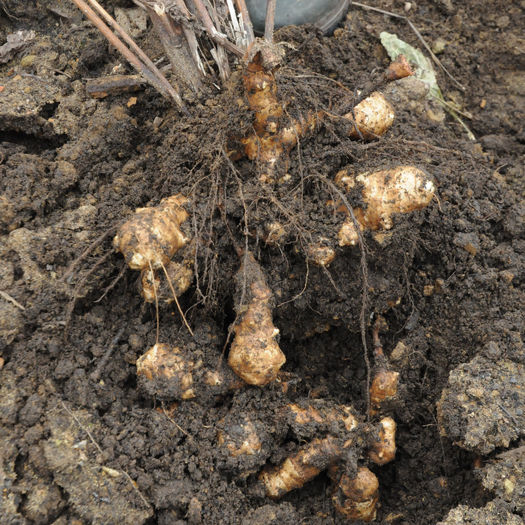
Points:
point(155, 284)
point(273, 139)
point(149, 240)
point(384, 193)
point(254, 355)
point(385, 381)
point(355, 497)
point(248, 442)
point(175, 373)
point(153, 235)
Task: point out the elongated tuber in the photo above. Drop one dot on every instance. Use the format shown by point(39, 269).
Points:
point(302, 467)
point(153, 235)
point(385, 193)
point(336, 418)
point(385, 382)
point(255, 355)
point(383, 449)
point(169, 372)
point(356, 497)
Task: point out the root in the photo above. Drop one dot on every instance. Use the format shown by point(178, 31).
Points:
point(175, 299)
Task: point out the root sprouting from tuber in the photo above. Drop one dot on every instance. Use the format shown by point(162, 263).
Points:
point(385, 193)
point(255, 355)
point(274, 136)
point(149, 240)
point(154, 285)
point(385, 381)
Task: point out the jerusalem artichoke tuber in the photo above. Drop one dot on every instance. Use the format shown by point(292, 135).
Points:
point(154, 285)
point(373, 117)
point(400, 190)
point(153, 235)
point(169, 372)
point(383, 449)
point(301, 467)
point(356, 497)
point(255, 355)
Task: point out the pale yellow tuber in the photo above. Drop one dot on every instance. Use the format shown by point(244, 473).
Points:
point(255, 355)
point(153, 235)
point(373, 117)
point(274, 137)
point(169, 372)
point(383, 388)
point(321, 414)
point(302, 467)
point(385, 193)
point(154, 285)
point(356, 497)
point(383, 449)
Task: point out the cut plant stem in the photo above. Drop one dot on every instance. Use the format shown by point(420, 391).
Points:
point(139, 60)
point(176, 46)
point(247, 21)
point(269, 23)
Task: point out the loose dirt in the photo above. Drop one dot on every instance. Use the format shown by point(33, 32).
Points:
point(78, 448)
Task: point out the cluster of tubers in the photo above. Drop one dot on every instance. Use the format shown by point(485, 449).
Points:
point(154, 242)
point(355, 488)
point(274, 135)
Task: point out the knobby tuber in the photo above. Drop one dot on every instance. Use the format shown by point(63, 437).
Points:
point(155, 285)
point(149, 240)
point(356, 497)
point(383, 449)
point(273, 139)
point(385, 382)
point(301, 467)
point(169, 372)
point(320, 414)
point(247, 441)
point(384, 193)
point(254, 355)
point(153, 235)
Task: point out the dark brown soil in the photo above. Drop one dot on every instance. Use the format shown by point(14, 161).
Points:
point(82, 449)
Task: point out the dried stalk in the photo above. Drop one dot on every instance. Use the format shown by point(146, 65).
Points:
point(176, 46)
point(139, 60)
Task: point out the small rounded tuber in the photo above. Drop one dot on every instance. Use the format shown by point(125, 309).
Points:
point(255, 355)
point(241, 439)
point(321, 253)
point(154, 285)
point(383, 450)
point(383, 388)
point(356, 498)
point(165, 363)
point(153, 235)
point(373, 117)
point(400, 190)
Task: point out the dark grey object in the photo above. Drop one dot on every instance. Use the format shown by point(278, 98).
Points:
point(325, 14)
